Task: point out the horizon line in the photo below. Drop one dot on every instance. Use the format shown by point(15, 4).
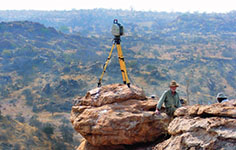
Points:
point(117, 9)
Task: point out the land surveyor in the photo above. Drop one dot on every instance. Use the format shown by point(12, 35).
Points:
point(171, 100)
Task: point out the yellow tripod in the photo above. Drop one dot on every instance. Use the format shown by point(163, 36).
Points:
point(121, 61)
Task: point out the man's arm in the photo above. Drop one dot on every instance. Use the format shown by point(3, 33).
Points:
point(161, 100)
point(178, 102)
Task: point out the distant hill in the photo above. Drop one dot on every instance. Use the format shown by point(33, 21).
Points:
point(91, 22)
point(187, 47)
point(16, 135)
point(98, 21)
point(204, 23)
point(31, 51)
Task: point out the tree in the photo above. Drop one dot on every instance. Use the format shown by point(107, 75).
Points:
point(34, 121)
point(20, 118)
point(48, 129)
point(67, 133)
point(28, 96)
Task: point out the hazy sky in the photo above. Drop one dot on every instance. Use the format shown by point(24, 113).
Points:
point(153, 5)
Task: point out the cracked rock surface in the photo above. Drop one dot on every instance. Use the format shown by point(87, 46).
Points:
point(200, 127)
point(116, 115)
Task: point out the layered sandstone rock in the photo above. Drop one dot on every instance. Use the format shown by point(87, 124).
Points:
point(116, 115)
point(202, 127)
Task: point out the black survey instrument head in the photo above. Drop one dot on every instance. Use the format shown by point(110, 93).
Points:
point(117, 29)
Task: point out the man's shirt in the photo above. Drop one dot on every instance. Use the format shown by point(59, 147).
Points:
point(170, 99)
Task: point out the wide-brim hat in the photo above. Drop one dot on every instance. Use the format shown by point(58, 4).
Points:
point(221, 95)
point(173, 84)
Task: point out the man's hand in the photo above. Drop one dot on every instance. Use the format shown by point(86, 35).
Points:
point(157, 112)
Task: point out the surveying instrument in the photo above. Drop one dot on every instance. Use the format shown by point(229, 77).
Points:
point(117, 30)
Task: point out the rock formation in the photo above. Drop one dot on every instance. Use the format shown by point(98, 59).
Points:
point(116, 115)
point(199, 127)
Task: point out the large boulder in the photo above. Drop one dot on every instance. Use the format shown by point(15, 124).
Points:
point(200, 127)
point(115, 115)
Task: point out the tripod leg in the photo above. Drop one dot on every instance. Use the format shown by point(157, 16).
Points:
point(105, 65)
point(122, 66)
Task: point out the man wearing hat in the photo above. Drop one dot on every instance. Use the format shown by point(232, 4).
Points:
point(170, 98)
point(221, 97)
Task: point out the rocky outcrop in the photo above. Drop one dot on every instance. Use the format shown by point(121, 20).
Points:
point(120, 118)
point(115, 115)
point(202, 127)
